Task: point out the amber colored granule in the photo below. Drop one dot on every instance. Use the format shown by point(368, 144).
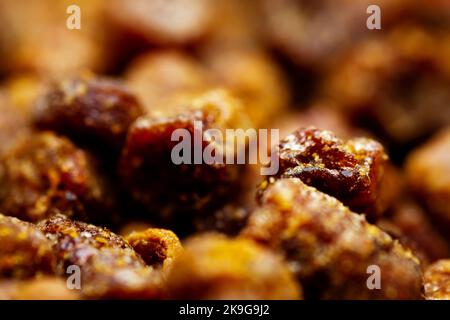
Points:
point(248, 73)
point(109, 266)
point(44, 174)
point(88, 108)
point(24, 250)
point(437, 281)
point(160, 78)
point(174, 193)
point(157, 247)
point(215, 267)
point(355, 171)
point(428, 175)
point(329, 247)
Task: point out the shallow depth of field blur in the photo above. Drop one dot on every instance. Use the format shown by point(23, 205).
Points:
point(290, 63)
point(313, 60)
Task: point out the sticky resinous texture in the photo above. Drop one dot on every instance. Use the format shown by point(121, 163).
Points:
point(109, 266)
point(437, 281)
point(45, 174)
point(330, 248)
point(89, 109)
point(173, 191)
point(355, 171)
